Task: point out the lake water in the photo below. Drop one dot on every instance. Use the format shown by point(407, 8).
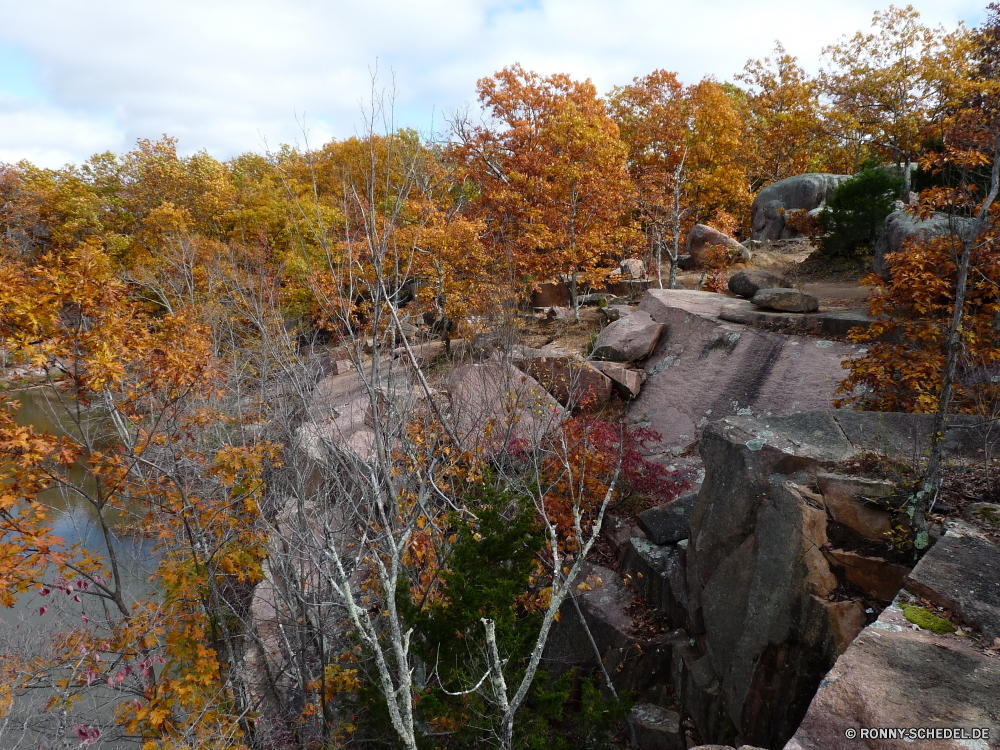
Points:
point(24, 627)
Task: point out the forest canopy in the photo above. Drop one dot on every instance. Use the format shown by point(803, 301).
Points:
point(398, 587)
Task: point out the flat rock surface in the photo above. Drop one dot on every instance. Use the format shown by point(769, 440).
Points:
point(962, 573)
point(893, 676)
point(496, 402)
point(829, 322)
point(704, 368)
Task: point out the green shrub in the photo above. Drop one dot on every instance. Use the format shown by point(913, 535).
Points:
point(855, 214)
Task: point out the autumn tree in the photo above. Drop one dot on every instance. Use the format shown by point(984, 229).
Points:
point(886, 89)
point(940, 305)
point(783, 129)
point(654, 121)
point(684, 157)
point(551, 172)
point(718, 172)
point(144, 440)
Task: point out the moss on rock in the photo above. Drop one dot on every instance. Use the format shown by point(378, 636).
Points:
point(926, 619)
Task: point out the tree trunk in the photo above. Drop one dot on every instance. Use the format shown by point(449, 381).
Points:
point(574, 296)
point(659, 259)
point(922, 499)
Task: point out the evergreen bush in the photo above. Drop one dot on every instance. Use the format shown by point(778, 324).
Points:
point(855, 214)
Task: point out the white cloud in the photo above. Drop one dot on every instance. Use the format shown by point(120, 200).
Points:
point(51, 136)
point(220, 74)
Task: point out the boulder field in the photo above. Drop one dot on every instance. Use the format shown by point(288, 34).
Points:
point(784, 614)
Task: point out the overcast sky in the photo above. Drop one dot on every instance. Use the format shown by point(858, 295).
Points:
point(78, 78)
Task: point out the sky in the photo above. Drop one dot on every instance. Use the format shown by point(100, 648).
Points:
point(79, 78)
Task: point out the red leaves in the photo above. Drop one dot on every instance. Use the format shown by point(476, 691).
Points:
point(88, 734)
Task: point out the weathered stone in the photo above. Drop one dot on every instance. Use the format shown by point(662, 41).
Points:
point(686, 263)
point(801, 193)
point(830, 322)
point(848, 499)
point(574, 383)
point(703, 368)
point(875, 576)
point(657, 728)
point(618, 531)
point(560, 313)
point(628, 339)
point(760, 586)
point(900, 226)
point(702, 237)
point(983, 514)
point(633, 268)
point(330, 366)
point(658, 573)
point(603, 608)
point(627, 288)
point(498, 395)
point(748, 282)
point(759, 583)
point(596, 299)
point(423, 352)
point(668, 523)
point(962, 574)
point(627, 383)
point(646, 672)
point(787, 300)
point(894, 676)
point(697, 687)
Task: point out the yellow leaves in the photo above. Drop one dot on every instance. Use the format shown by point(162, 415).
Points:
point(158, 716)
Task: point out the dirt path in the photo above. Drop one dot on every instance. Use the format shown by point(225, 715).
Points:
point(839, 295)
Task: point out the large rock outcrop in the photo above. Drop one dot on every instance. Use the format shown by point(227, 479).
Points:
point(769, 571)
point(894, 676)
point(901, 226)
point(704, 368)
point(910, 671)
point(804, 192)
